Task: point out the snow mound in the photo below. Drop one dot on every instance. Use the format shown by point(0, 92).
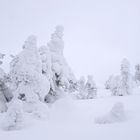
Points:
point(37, 110)
point(13, 118)
point(62, 109)
point(117, 114)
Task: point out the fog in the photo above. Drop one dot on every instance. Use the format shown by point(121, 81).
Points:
point(98, 33)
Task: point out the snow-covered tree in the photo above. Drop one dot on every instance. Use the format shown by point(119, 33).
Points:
point(81, 88)
point(122, 84)
point(62, 74)
point(3, 106)
point(108, 82)
point(125, 88)
point(85, 89)
point(115, 85)
point(73, 86)
point(90, 88)
point(137, 73)
point(26, 73)
point(5, 92)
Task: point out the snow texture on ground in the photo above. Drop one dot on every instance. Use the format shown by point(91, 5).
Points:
point(75, 120)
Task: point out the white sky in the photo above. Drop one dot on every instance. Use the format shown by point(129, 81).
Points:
point(98, 33)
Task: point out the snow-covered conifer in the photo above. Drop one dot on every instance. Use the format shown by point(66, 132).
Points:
point(62, 74)
point(122, 84)
point(137, 73)
point(125, 88)
point(115, 85)
point(90, 88)
point(108, 82)
point(5, 92)
point(26, 73)
point(73, 86)
point(81, 88)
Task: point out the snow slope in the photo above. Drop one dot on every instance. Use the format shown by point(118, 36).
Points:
point(75, 120)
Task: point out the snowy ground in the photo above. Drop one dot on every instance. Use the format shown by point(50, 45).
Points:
point(75, 120)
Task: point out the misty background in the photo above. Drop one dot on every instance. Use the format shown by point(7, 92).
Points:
point(98, 33)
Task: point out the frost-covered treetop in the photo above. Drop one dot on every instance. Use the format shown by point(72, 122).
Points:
point(58, 32)
point(56, 43)
point(28, 59)
point(125, 66)
point(90, 78)
point(60, 28)
point(125, 61)
point(31, 42)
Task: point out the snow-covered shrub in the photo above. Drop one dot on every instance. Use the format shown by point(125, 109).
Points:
point(117, 114)
point(90, 88)
point(50, 98)
point(86, 89)
point(13, 119)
